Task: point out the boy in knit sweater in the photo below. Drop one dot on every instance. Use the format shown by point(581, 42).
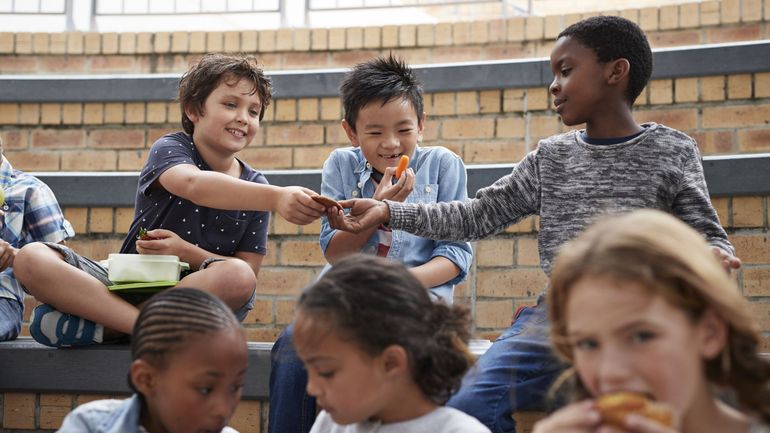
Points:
point(614, 165)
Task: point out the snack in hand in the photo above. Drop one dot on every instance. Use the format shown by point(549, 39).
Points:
point(142, 235)
point(2, 197)
point(402, 164)
point(326, 201)
point(614, 408)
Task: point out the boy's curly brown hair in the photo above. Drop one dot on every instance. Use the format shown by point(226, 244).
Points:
point(209, 72)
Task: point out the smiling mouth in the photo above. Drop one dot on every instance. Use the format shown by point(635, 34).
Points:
point(394, 156)
point(236, 132)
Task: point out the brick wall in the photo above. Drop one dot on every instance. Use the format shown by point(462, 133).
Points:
point(685, 24)
point(726, 114)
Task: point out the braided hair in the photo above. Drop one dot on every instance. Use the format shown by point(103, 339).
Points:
point(377, 303)
point(172, 317)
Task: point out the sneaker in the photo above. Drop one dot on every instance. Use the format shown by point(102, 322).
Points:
point(53, 328)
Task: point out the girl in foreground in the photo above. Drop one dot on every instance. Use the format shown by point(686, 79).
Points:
point(640, 305)
point(380, 355)
point(189, 360)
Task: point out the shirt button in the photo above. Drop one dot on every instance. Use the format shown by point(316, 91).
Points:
point(354, 193)
point(427, 189)
point(359, 184)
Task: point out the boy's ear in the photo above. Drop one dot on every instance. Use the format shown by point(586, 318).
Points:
point(618, 70)
point(143, 376)
point(712, 334)
point(350, 133)
point(395, 360)
point(191, 114)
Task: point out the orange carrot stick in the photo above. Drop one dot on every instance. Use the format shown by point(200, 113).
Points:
point(402, 164)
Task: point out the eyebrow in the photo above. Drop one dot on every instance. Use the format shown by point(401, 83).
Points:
point(216, 373)
point(623, 328)
point(377, 125)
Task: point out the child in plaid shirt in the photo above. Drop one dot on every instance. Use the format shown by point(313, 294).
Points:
point(29, 213)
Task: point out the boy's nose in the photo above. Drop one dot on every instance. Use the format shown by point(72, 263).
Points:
point(554, 87)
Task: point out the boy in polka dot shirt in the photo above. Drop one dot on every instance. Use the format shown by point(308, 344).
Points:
point(195, 200)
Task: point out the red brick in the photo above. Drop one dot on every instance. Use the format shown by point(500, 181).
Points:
point(268, 158)
point(301, 253)
point(674, 38)
point(735, 116)
point(34, 161)
point(18, 411)
point(715, 142)
point(756, 282)
point(734, 34)
point(494, 252)
point(760, 310)
point(117, 138)
point(283, 281)
point(752, 249)
point(112, 64)
point(101, 160)
point(527, 252)
point(63, 64)
point(295, 135)
point(14, 140)
point(58, 139)
point(749, 212)
point(494, 314)
point(454, 129)
point(311, 157)
point(284, 311)
point(262, 313)
point(754, 140)
point(681, 119)
point(494, 151)
point(510, 283)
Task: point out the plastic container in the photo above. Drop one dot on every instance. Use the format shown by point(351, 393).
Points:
point(144, 268)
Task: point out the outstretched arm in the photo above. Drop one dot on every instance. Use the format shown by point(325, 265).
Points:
point(220, 191)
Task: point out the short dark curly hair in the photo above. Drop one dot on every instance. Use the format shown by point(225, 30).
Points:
point(212, 69)
point(613, 38)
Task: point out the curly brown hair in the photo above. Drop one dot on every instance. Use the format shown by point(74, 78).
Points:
point(362, 290)
point(670, 259)
point(209, 72)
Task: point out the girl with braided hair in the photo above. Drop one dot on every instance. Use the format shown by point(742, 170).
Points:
point(189, 360)
point(380, 355)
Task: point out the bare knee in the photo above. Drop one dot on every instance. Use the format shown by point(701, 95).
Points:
point(31, 259)
point(235, 281)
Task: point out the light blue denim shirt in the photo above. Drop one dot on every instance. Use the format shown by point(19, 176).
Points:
point(109, 416)
point(439, 176)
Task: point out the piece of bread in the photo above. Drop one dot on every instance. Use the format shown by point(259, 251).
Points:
point(326, 201)
point(616, 406)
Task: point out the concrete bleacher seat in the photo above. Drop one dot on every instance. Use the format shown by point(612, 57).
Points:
point(28, 366)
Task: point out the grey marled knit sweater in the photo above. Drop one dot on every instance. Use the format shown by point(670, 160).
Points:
point(569, 183)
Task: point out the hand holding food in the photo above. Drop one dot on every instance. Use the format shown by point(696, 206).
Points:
point(616, 406)
point(326, 201)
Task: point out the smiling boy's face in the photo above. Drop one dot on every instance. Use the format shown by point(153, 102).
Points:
point(385, 132)
point(229, 120)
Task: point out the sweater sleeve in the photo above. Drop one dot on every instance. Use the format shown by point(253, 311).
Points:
point(692, 203)
point(494, 208)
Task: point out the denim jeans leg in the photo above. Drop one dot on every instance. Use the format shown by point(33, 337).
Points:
point(515, 374)
point(291, 410)
point(11, 315)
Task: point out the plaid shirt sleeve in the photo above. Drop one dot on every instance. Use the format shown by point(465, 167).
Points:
point(43, 218)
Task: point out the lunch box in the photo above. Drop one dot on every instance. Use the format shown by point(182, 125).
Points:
point(143, 267)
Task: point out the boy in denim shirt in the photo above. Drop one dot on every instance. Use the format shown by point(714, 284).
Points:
point(615, 165)
point(384, 121)
point(30, 213)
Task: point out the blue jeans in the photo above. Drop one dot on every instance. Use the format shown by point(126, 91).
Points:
point(291, 410)
point(11, 315)
point(515, 374)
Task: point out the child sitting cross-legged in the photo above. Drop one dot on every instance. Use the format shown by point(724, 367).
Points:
point(647, 317)
point(196, 200)
point(189, 359)
point(380, 355)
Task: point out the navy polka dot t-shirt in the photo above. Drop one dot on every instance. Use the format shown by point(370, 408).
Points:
point(221, 232)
